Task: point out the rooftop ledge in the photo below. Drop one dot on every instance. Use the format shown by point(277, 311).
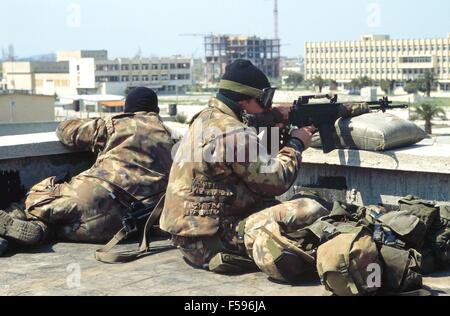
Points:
point(426, 156)
point(423, 157)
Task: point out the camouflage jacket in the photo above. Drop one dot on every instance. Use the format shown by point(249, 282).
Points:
point(206, 188)
point(133, 150)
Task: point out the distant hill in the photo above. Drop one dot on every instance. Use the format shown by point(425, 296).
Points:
point(43, 57)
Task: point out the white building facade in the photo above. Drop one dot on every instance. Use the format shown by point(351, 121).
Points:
point(379, 58)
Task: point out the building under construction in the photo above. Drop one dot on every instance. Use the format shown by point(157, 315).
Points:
point(221, 50)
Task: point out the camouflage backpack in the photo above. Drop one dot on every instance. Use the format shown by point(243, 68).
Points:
point(345, 263)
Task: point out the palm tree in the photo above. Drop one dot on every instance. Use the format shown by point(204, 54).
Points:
point(428, 81)
point(427, 112)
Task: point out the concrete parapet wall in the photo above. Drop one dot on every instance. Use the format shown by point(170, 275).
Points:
point(354, 176)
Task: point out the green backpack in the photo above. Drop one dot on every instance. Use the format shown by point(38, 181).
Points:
point(426, 211)
point(407, 228)
point(438, 240)
point(343, 263)
point(402, 270)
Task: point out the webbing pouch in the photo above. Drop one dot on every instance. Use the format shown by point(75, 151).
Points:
point(224, 263)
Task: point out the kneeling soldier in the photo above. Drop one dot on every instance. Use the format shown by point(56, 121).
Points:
point(221, 211)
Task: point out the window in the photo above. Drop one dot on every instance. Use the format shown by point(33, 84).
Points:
point(125, 67)
point(145, 66)
point(135, 78)
point(155, 78)
point(144, 78)
point(415, 60)
point(155, 66)
point(164, 66)
point(125, 78)
point(135, 67)
point(183, 66)
point(173, 66)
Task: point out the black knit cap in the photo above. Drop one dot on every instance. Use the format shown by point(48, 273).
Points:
point(244, 72)
point(141, 99)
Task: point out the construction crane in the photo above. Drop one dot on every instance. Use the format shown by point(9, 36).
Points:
point(275, 19)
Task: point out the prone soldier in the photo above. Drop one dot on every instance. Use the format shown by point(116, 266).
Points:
point(132, 166)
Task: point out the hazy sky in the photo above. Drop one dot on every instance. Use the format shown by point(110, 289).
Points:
point(122, 26)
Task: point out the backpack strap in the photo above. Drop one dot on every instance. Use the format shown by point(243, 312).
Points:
point(106, 255)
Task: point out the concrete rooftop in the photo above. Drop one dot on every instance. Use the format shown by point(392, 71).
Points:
point(52, 270)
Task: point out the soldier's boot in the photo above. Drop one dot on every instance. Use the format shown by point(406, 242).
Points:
point(23, 232)
point(3, 246)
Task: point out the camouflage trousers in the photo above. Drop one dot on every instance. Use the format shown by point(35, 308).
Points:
point(79, 211)
point(259, 232)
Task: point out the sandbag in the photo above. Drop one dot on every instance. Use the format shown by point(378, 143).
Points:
point(375, 132)
point(343, 263)
point(378, 132)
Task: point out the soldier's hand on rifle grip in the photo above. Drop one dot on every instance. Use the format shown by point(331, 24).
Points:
point(305, 134)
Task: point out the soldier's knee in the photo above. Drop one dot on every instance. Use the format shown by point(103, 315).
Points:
point(278, 263)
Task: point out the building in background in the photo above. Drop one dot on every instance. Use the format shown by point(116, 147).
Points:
point(221, 50)
point(165, 75)
point(289, 65)
point(91, 72)
point(37, 77)
point(26, 108)
point(379, 57)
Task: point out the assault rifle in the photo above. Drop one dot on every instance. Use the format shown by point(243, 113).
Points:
point(324, 115)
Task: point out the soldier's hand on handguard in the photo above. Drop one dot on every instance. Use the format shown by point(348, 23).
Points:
point(304, 134)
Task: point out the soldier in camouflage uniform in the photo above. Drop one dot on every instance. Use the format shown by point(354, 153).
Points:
point(220, 204)
point(133, 163)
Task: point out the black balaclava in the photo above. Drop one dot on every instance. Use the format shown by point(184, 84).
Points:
point(244, 72)
point(142, 100)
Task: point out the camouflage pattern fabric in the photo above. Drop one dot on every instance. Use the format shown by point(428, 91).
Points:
point(134, 153)
point(278, 219)
point(202, 193)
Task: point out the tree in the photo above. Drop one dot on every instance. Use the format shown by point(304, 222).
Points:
point(294, 79)
point(319, 82)
point(361, 82)
point(427, 112)
point(411, 87)
point(387, 86)
point(427, 82)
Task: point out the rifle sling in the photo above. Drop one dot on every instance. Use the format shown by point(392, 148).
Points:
point(106, 255)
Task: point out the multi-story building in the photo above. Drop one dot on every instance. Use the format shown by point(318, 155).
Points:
point(220, 50)
point(37, 77)
point(167, 74)
point(91, 72)
point(379, 57)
